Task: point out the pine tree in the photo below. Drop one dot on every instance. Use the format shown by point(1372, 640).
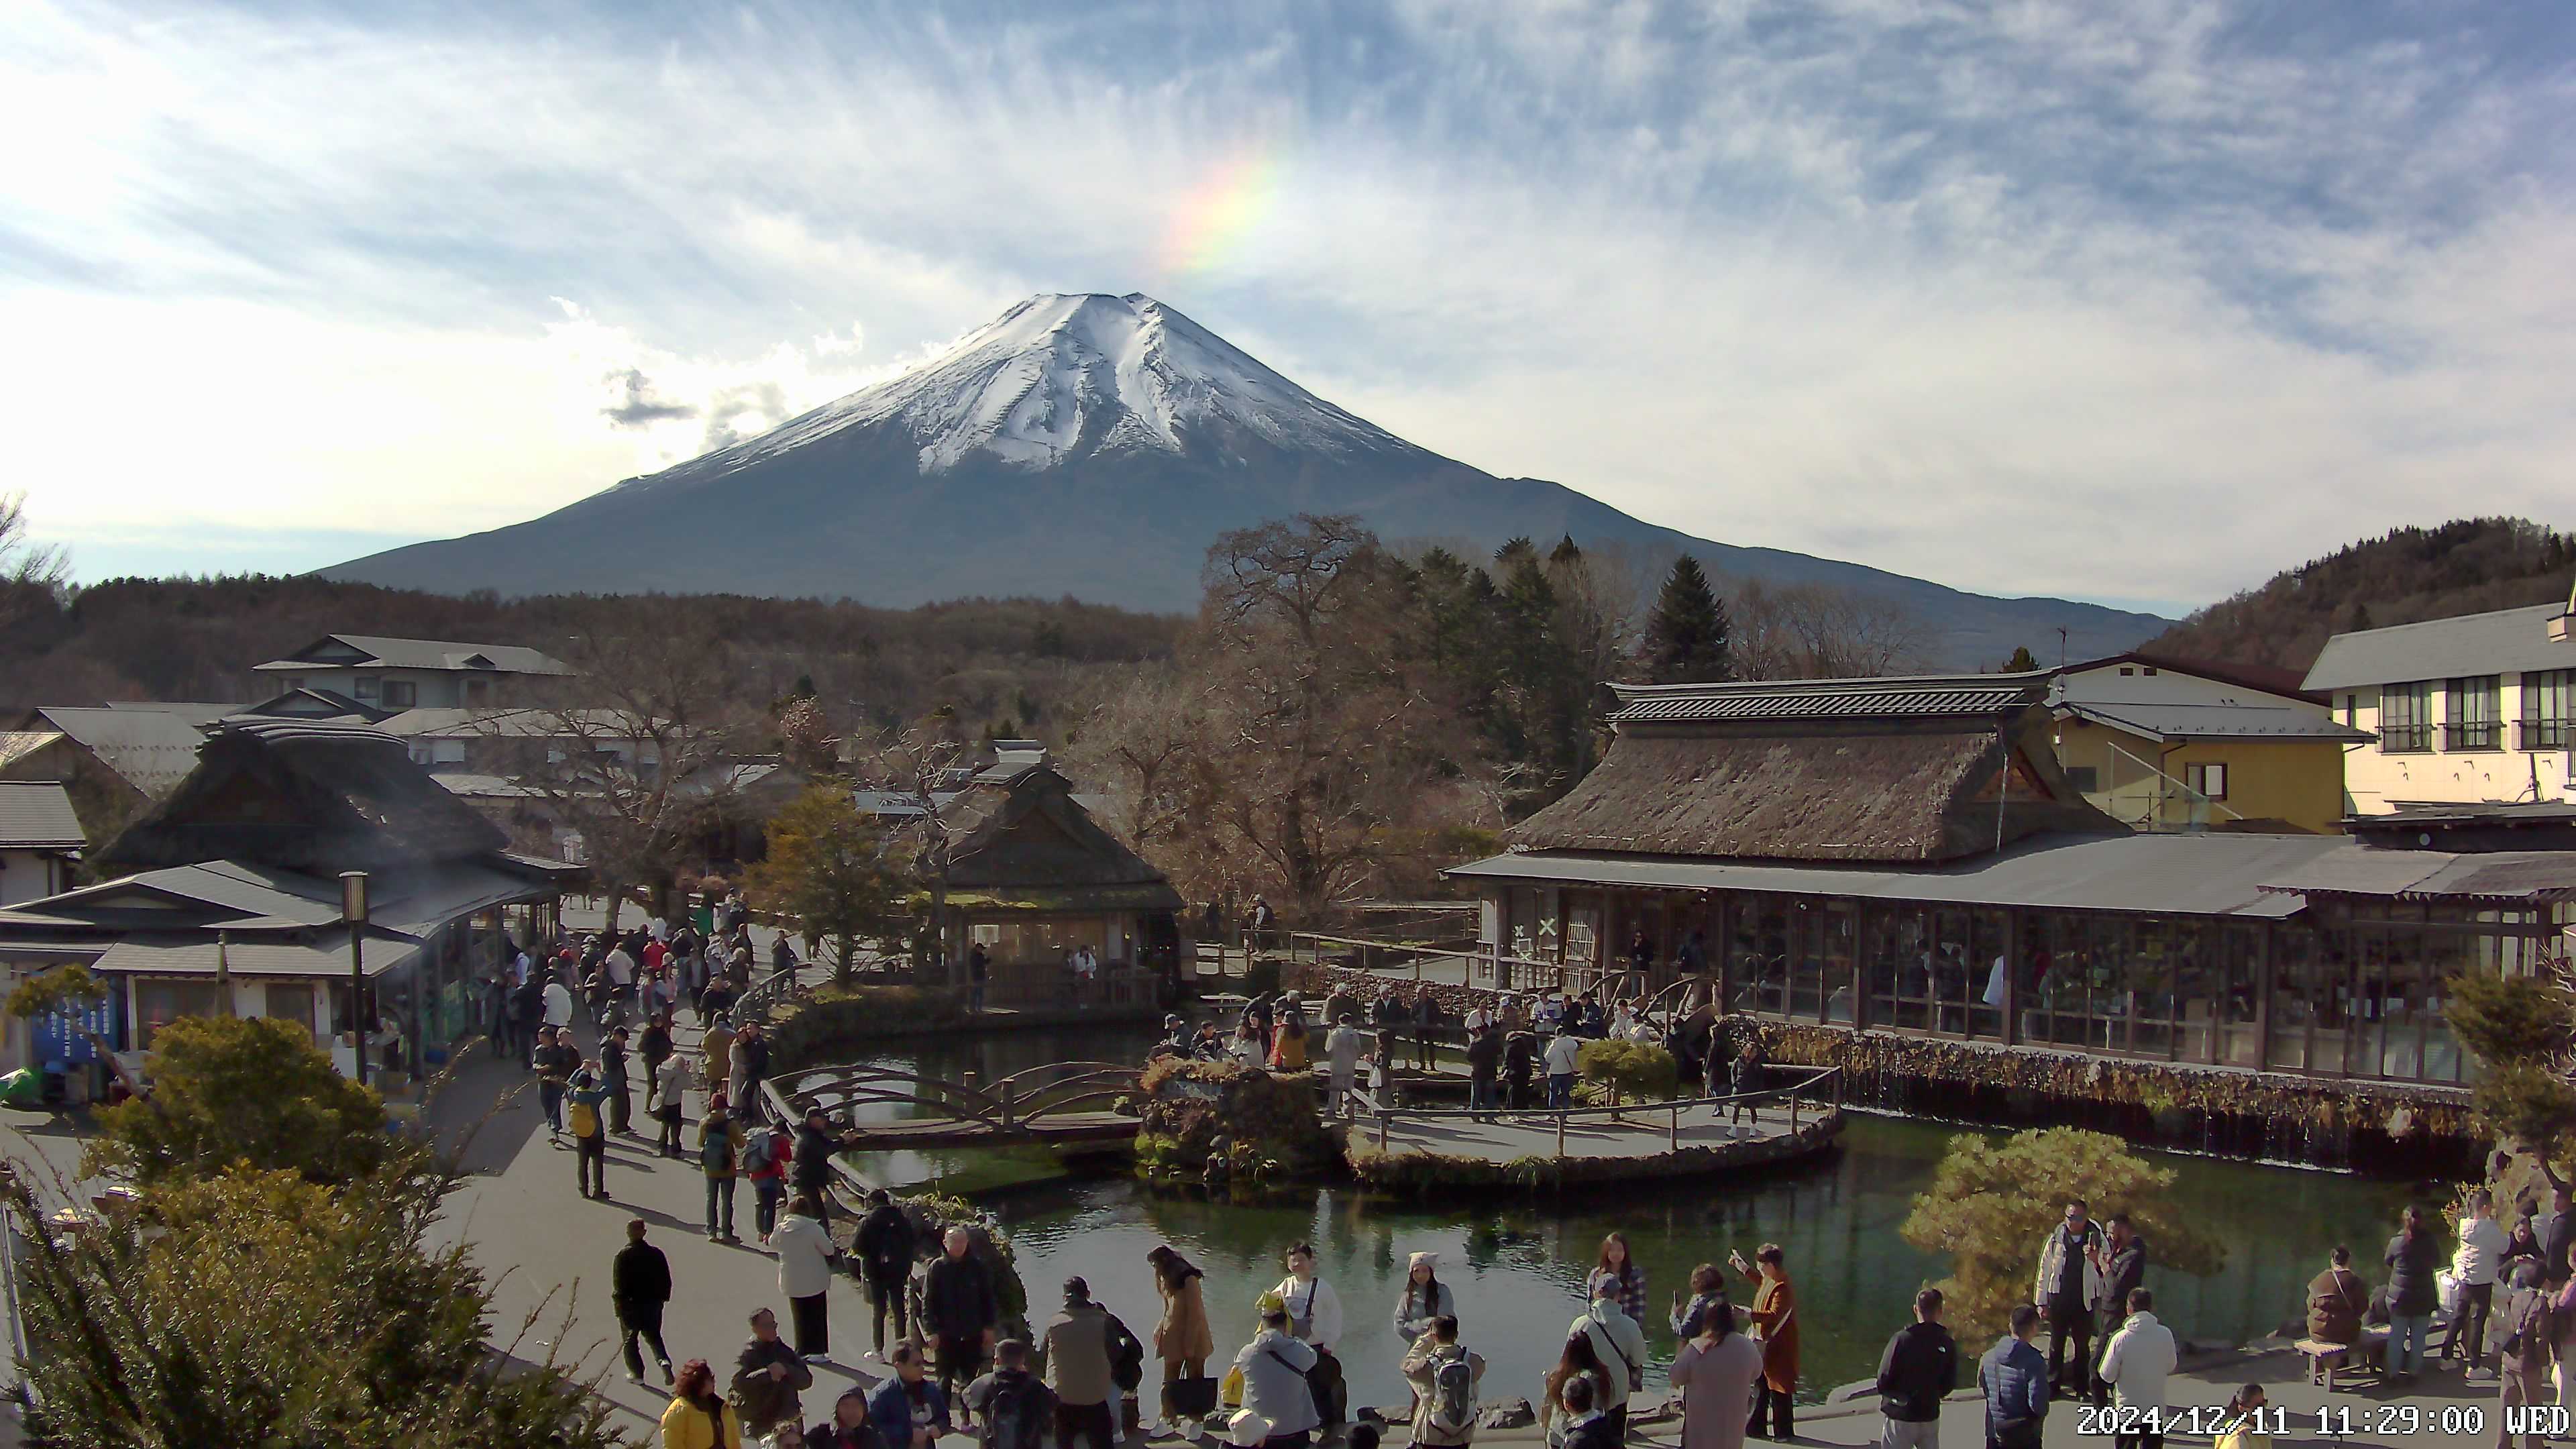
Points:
point(2021, 661)
point(1686, 636)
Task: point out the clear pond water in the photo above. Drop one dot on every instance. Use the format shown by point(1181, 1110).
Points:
point(1517, 1265)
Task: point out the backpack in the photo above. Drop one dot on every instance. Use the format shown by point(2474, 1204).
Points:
point(716, 1153)
point(758, 1153)
point(1453, 1395)
point(584, 1119)
point(1019, 1415)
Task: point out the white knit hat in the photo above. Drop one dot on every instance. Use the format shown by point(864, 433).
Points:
point(1422, 1260)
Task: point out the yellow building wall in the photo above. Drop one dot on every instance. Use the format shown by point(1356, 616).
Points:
point(2298, 782)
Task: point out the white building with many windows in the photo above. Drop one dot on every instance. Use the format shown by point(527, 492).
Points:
point(390, 675)
point(2466, 710)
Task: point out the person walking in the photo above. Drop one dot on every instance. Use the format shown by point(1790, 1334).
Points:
point(1342, 1048)
point(556, 1062)
point(2066, 1289)
point(2523, 1351)
point(910, 1412)
point(850, 1427)
point(1715, 1371)
point(960, 1311)
point(2412, 1260)
point(1444, 1377)
point(2014, 1375)
point(1275, 1366)
point(639, 1284)
point(1074, 1357)
point(715, 1049)
point(767, 1377)
point(1564, 1055)
point(612, 1076)
point(668, 1108)
point(1775, 1322)
point(1916, 1372)
point(719, 1157)
point(1014, 1410)
point(1618, 1344)
point(2135, 1365)
point(765, 1151)
point(2475, 1265)
point(2337, 1301)
point(698, 1417)
point(1183, 1339)
point(805, 1256)
point(589, 1131)
point(885, 1246)
point(1315, 1319)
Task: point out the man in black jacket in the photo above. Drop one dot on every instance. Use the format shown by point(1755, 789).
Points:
point(960, 1310)
point(1485, 1070)
point(885, 1249)
point(1918, 1370)
point(811, 1171)
point(639, 1284)
point(1585, 1426)
point(527, 1008)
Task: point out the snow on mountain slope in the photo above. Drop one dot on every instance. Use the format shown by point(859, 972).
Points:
point(1059, 376)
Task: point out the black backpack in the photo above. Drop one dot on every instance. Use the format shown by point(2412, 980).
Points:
point(1020, 1414)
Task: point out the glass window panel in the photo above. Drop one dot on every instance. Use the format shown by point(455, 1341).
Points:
point(1949, 971)
point(2546, 698)
point(159, 1003)
point(2405, 717)
point(2240, 1042)
point(1806, 962)
point(2294, 969)
point(2147, 981)
point(2061, 982)
point(2105, 991)
point(2199, 988)
point(1841, 927)
point(1987, 969)
point(2472, 713)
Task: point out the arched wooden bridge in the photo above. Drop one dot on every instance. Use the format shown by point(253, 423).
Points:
point(1061, 1102)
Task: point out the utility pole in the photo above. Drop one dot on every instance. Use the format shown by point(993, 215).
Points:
point(2061, 646)
point(353, 912)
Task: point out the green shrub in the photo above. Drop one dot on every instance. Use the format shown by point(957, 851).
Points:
point(1637, 1071)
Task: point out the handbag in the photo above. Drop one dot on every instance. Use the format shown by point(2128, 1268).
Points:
point(1194, 1398)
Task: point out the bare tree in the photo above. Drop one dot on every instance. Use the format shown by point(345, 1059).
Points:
point(1137, 745)
point(921, 763)
point(1819, 631)
point(33, 576)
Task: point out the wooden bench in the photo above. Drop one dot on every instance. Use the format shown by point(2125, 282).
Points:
point(2370, 1352)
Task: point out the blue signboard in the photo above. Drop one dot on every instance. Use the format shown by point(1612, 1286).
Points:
point(58, 1037)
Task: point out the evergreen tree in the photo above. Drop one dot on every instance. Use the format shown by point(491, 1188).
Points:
point(2021, 661)
point(1686, 636)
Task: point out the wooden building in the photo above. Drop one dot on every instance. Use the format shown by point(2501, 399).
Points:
point(1908, 856)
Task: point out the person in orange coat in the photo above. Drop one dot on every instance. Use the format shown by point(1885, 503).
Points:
point(1775, 1322)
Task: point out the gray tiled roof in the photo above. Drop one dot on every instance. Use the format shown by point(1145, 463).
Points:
point(148, 749)
point(1896, 697)
point(37, 815)
point(425, 654)
point(2508, 641)
point(2371, 870)
point(2218, 721)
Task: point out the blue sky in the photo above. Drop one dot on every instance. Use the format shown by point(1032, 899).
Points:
point(2135, 302)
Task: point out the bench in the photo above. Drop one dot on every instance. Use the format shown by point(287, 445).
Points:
point(2370, 1352)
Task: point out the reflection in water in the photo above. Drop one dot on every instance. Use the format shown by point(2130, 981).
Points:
point(1518, 1266)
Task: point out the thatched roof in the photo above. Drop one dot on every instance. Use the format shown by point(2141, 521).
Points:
point(304, 796)
point(1901, 788)
point(1028, 832)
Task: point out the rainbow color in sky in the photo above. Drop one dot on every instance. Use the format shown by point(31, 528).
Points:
point(1213, 221)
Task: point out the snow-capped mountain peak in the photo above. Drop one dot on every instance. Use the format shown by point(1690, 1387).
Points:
point(1063, 375)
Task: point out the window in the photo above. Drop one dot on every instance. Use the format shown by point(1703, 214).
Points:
point(2405, 717)
point(2126, 671)
point(401, 693)
point(365, 685)
point(2209, 780)
point(447, 752)
point(2473, 712)
point(160, 1003)
point(2545, 700)
point(2086, 779)
point(291, 1001)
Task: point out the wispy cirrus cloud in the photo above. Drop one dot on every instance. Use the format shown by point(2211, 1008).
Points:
point(2031, 298)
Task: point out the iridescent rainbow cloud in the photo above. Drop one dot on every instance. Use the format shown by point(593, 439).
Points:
point(1214, 219)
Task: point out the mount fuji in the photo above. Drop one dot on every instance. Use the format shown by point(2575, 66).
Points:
point(1094, 446)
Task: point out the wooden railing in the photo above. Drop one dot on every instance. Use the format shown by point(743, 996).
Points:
point(1012, 1102)
point(1795, 1094)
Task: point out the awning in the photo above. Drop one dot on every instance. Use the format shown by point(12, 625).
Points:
point(194, 955)
point(2181, 875)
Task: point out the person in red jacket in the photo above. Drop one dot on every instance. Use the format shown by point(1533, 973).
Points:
point(764, 1161)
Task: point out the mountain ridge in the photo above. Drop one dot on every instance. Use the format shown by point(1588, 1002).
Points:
point(1093, 445)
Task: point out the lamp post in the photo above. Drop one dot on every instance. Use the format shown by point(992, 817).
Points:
point(353, 911)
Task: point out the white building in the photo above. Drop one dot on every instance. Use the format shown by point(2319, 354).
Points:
point(40, 838)
point(399, 674)
point(2466, 710)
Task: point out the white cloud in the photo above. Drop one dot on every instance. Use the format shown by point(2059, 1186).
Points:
point(2038, 299)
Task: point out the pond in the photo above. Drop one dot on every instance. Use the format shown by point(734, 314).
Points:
point(1518, 1266)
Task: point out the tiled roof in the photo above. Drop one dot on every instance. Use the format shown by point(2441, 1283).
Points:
point(148, 749)
point(389, 653)
point(2218, 721)
point(2508, 641)
point(1892, 698)
point(37, 815)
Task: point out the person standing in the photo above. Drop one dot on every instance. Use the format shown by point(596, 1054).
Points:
point(2015, 1377)
point(1520, 1065)
point(885, 1248)
point(2136, 1363)
point(639, 1284)
point(765, 1151)
point(1618, 1344)
point(2557, 1230)
point(2124, 1271)
point(1426, 1027)
point(612, 1075)
point(527, 1016)
point(715, 1046)
point(2068, 1285)
point(1564, 1055)
point(556, 1062)
point(2412, 1294)
point(558, 998)
point(698, 1417)
point(851, 1426)
point(810, 1170)
point(767, 1377)
point(1315, 1319)
point(617, 970)
point(1444, 1377)
point(1275, 1366)
point(979, 971)
point(750, 1069)
point(655, 1048)
point(2475, 1264)
point(1342, 1048)
point(668, 1108)
point(1484, 1071)
point(2337, 1301)
point(1747, 1080)
point(910, 1411)
point(1918, 1370)
point(2523, 1351)
point(805, 1253)
point(1775, 1322)
point(1588, 1426)
point(1621, 1264)
point(589, 1131)
point(1423, 1298)
point(1015, 1411)
point(1183, 1339)
point(959, 1310)
point(1074, 1358)
point(719, 1157)
point(1715, 1371)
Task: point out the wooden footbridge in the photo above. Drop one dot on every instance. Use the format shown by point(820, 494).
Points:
point(1060, 1103)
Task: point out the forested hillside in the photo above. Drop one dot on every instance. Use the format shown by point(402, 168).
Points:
point(1006, 665)
point(2468, 566)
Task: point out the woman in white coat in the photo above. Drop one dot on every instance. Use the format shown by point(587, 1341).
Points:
point(804, 1248)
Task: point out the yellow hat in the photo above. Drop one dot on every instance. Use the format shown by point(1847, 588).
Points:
point(1270, 1302)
